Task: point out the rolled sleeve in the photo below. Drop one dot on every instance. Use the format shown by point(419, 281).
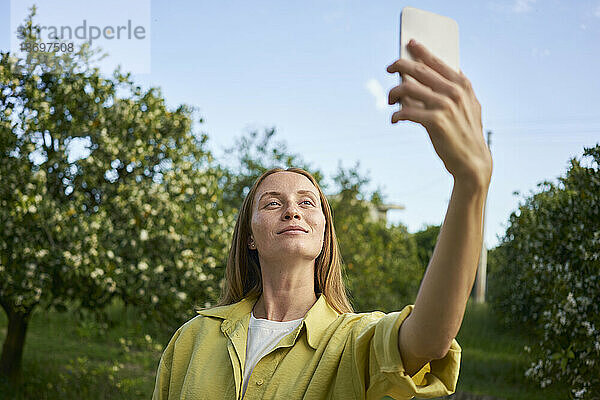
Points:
point(380, 367)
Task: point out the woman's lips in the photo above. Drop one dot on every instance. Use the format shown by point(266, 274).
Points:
point(292, 232)
point(294, 227)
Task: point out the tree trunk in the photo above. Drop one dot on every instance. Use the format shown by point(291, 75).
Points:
point(12, 351)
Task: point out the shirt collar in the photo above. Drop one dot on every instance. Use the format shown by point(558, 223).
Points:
point(316, 320)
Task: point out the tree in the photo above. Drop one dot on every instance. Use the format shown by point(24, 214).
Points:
point(382, 268)
point(137, 216)
point(546, 273)
point(249, 157)
point(426, 240)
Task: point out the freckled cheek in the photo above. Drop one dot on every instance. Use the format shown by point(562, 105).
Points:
point(262, 227)
point(319, 224)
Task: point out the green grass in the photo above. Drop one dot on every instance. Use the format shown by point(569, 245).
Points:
point(494, 360)
point(67, 359)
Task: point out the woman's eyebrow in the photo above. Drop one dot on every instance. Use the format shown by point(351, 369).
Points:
point(278, 193)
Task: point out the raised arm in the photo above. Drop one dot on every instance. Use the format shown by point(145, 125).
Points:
point(452, 116)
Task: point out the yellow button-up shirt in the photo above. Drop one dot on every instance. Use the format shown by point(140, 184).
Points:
point(328, 356)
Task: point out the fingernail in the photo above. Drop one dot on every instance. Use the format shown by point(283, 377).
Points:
point(412, 42)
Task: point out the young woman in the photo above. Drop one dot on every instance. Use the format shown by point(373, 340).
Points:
point(284, 328)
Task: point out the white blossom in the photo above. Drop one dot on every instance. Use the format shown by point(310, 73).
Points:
point(182, 296)
point(97, 272)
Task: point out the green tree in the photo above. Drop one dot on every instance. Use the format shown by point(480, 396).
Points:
point(137, 215)
point(426, 240)
point(546, 273)
point(382, 267)
point(249, 157)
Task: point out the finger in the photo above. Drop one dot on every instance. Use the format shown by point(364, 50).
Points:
point(407, 100)
point(423, 117)
point(465, 82)
point(416, 91)
point(420, 51)
point(410, 102)
point(427, 76)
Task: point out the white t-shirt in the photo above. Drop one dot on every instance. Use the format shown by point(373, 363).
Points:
point(263, 336)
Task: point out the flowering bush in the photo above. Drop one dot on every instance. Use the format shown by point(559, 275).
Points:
point(546, 273)
point(135, 215)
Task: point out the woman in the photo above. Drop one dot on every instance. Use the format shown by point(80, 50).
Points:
point(284, 327)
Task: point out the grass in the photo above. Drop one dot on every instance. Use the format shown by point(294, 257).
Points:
point(69, 359)
point(494, 360)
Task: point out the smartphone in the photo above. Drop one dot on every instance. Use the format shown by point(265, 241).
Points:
point(436, 32)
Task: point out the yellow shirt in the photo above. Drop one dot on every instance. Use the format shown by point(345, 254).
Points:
point(328, 356)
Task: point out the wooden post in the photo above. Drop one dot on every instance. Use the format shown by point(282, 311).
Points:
point(481, 278)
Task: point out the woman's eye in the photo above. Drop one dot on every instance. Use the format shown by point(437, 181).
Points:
point(305, 201)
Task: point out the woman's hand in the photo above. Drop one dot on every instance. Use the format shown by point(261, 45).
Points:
point(449, 111)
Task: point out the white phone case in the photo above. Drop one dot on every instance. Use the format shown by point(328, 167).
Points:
point(436, 32)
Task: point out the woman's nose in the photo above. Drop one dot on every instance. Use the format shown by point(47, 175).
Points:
point(291, 212)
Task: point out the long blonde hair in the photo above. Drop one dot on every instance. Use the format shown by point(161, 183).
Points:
point(243, 276)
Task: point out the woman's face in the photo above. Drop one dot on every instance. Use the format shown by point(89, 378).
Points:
point(284, 199)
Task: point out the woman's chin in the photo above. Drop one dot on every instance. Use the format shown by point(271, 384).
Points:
point(300, 250)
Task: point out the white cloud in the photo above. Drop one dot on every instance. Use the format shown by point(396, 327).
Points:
point(522, 6)
point(597, 12)
point(375, 88)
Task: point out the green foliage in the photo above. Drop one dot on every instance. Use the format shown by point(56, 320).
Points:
point(249, 158)
point(382, 268)
point(493, 359)
point(546, 274)
point(136, 216)
point(34, 210)
point(68, 358)
point(426, 240)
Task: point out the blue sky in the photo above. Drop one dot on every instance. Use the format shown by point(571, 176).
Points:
point(316, 71)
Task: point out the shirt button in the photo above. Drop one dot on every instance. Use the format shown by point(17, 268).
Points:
point(260, 382)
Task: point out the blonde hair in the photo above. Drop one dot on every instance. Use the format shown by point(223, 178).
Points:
point(243, 277)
